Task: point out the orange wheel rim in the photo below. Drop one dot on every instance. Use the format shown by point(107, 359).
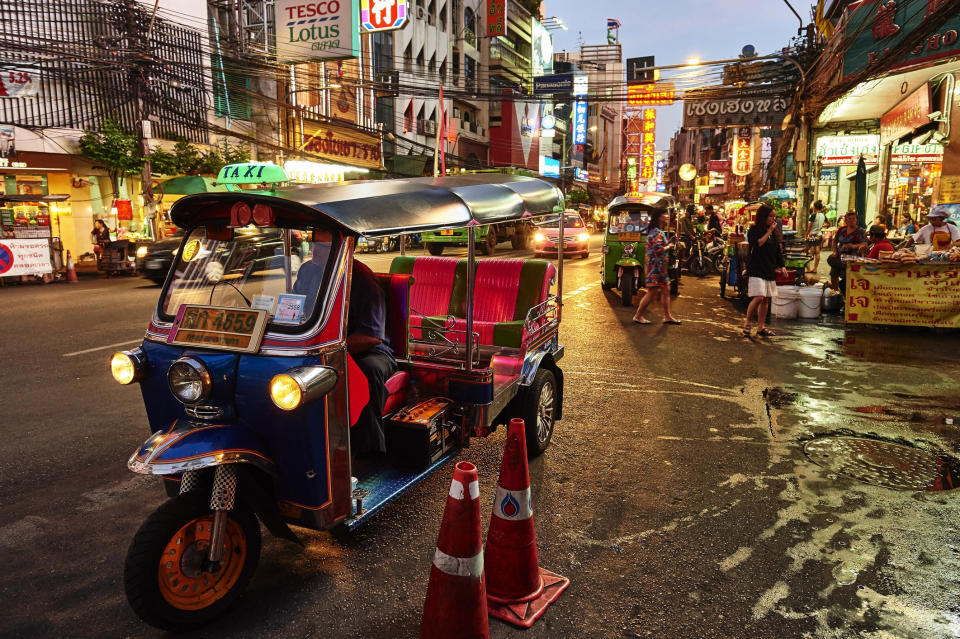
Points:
point(183, 582)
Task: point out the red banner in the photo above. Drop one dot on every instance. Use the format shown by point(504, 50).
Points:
point(907, 116)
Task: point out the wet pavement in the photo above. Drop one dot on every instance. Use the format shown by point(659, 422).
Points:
point(700, 484)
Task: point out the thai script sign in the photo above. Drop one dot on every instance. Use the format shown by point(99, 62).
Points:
point(496, 18)
point(720, 166)
point(916, 154)
point(743, 151)
point(903, 294)
point(845, 150)
point(651, 94)
point(383, 15)
point(18, 82)
point(875, 26)
point(24, 257)
point(909, 115)
point(550, 84)
point(710, 108)
point(341, 143)
point(316, 29)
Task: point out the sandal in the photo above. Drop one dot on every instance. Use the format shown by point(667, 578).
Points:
point(765, 332)
point(673, 321)
point(746, 331)
point(640, 320)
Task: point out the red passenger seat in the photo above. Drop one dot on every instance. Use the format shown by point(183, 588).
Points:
point(397, 386)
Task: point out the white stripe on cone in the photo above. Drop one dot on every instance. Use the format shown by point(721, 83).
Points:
point(456, 489)
point(519, 500)
point(459, 566)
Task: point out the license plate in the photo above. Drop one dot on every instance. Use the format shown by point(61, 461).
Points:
point(446, 232)
point(153, 264)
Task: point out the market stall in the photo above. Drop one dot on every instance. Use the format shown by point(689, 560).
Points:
point(29, 236)
point(905, 289)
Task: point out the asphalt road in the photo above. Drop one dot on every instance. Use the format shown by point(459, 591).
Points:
point(676, 494)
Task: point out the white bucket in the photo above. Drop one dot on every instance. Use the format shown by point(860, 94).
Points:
point(786, 303)
point(809, 302)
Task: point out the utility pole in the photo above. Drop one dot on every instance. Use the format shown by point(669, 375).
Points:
point(138, 44)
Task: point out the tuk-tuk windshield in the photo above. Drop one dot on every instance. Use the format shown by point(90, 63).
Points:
point(629, 221)
point(569, 222)
point(276, 269)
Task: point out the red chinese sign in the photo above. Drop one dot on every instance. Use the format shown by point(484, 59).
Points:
point(648, 160)
point(743, 151)
point(720, 166)
point(496, 17)
point(907, 116)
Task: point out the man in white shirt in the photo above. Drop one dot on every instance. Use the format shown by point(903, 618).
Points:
point(815, 233)
point(938, 233)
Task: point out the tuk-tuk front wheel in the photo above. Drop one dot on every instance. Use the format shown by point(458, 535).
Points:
point(539, 412)
point(168, 582)
point(626, 287)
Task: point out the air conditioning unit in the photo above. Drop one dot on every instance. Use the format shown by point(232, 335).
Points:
point(426, 127)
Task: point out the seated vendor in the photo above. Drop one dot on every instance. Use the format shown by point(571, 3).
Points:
point(878, 241)
point(938, 233)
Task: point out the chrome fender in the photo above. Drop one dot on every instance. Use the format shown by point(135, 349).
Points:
point(189, 446)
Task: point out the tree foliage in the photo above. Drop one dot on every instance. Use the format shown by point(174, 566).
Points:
point(114, 150)
point(578, 196)
point(186, 159)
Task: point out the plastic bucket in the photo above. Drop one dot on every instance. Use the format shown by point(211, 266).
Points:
point(809, 302)
point(786, 303)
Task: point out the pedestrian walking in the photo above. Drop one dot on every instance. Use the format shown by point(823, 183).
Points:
point(815, 232)
point(764, 260)
point(657, 279)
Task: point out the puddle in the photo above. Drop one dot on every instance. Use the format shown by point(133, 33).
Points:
point(884, 463)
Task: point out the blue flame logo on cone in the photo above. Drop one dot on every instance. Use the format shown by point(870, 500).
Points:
point(509, 506)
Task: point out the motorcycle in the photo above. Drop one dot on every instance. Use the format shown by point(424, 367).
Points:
point(714, 248)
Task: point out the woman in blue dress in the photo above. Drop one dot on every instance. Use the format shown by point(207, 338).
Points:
point(658, 281)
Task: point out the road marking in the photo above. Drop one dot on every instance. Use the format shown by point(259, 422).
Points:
point(102, 348)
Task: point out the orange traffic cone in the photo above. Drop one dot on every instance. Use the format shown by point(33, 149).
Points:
point(518, 590)
point(456, 604)
point(71, 272)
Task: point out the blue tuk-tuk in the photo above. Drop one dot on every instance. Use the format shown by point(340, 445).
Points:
point(251, 394)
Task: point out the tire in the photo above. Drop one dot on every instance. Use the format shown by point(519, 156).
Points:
point(520, 239)
point(489, 246)
point(164, 533)
point(434, 248)
point(626, 288)
point(539, 420)
point(697, 265)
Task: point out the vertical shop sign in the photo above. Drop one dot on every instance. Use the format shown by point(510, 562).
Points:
point(579, 122)
point(648, 150)
point(317, 30)
point(743, 151)
point(496, 18)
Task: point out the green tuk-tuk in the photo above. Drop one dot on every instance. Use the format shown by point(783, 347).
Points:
point(625, 241)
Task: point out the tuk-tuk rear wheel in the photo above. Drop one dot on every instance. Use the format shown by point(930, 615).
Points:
point(434, 248)
point(539, 412)
point(164, 577)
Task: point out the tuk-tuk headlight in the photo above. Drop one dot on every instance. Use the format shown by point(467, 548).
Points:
point(539, 237)
point(189, 380)
point(301, 385)
point(141, 251)
point(127, 366)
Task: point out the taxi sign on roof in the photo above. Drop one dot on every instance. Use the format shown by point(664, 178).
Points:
point(251, 173)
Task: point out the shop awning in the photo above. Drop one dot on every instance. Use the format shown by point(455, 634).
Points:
point(33, 198)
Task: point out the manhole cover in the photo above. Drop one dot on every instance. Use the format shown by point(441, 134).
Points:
point(883, 463)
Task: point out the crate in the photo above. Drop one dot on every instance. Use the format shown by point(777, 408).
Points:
point(419, 435)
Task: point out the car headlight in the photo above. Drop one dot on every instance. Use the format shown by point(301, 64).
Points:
point(301, 385)
point(127, 366)
point(189, 380)
point(141, 251)
point(539, 237)
point(583, 237)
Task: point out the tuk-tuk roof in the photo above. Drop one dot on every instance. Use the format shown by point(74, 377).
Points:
point(646, 200)
point(387, 207)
